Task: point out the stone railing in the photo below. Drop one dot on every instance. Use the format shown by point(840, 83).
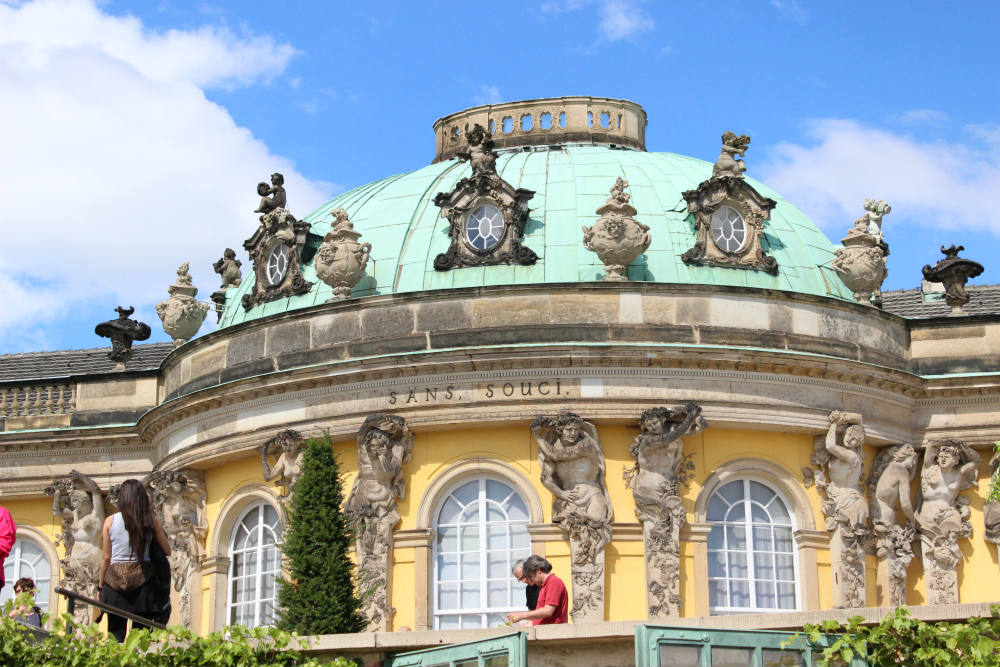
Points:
point(37, 399)
point(547, 121)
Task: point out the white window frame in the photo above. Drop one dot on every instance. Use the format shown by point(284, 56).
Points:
point(517, 588)
point(16, 560)
point(257, 600)
point(749, 551)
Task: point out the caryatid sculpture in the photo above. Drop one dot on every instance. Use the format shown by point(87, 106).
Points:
point(991, 509)
point(178, 499)
point(950, 466)
point(78, 502)
point(288, 452)
point(889, 488)
point(839, 465)
point(572, 468)
point(385, 445)
point(660, 468)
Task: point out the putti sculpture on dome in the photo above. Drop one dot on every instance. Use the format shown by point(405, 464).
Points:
point(281, 460)
point(385, 445)
point(837, 472)
point(617, 237)
point(954, 272)
point(660, 468)
point(572, 468)
point(229, 268)
point(486, 214)
point(341, 260)
point(122, 332)
point(860, 263)
point(888, 488)
point(729, 215)
point(79, 504)
point(276, 248)
point(182, 314)
point(950, 466)
point(178, 498)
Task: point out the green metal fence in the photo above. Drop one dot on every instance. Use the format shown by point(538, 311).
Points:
point(505, 651)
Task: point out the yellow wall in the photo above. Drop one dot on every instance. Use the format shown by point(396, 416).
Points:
point(435, 452)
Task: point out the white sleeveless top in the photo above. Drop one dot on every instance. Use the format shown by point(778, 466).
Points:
point(121, 551)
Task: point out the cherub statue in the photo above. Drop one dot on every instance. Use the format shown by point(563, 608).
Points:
point(272, 197)
point(229, 268)
point(729, 163)
point(871, 222)
point(618, 194)
point(287, 446)
point(78, 501)
point(480, 153)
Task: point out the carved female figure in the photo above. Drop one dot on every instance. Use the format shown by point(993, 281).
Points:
point(288, 467)
point(78, 501)
point(889, 486)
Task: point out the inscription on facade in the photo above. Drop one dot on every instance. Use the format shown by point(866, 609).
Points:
point(479, 391)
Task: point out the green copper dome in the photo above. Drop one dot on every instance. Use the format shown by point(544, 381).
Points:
point(398, 217)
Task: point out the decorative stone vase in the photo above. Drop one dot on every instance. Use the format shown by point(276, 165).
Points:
point(616, 237)
point(953, 272)
point(182, 314)
point(341, 260)
point(861, 266)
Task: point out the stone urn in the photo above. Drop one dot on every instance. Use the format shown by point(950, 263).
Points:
point(953, 272)
point(616, 237)
point(341, 260)
point(182, 314)
point(860, 263)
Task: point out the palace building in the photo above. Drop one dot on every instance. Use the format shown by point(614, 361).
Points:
point(654, 371)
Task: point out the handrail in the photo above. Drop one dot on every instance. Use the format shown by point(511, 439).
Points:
point(72, 597)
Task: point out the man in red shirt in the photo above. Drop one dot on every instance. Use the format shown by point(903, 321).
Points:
point(553, 600)
point(8, 533)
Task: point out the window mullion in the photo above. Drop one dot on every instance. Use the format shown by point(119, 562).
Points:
point(751, 565)
point(259, 589)
point(483, 592)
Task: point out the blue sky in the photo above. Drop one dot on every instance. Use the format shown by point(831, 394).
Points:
point(142, 128)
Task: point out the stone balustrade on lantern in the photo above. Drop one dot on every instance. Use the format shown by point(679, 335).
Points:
point(548, 121)
point(33, 400)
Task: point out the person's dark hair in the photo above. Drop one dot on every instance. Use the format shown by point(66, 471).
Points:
point(534, 564)
point(133, 503)
point(25, 583)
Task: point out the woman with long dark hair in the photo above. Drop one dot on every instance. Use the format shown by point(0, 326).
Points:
point(128, 579)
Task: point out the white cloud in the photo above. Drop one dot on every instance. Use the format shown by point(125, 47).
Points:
point(621, 19)
point(937, 184)
point(116, 168)
point(792, 9)
point(488, 95)
point(922, 117)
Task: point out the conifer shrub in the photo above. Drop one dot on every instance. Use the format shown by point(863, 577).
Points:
point(319, 597)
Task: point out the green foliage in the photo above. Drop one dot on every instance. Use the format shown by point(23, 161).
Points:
point(994, 495)
point(174, 647)
point(901, 639)
point(319, 598)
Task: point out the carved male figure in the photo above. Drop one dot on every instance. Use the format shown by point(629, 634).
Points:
point(272, 197)
point(893, 488)
point(290, 453)
point(845, 468)
point(889, 487)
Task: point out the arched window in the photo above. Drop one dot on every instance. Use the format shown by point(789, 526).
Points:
point(752, 562)
point(481, 530)
point(27, 559)
point(254, 567)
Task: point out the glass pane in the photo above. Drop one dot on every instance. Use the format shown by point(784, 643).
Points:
point(765, 594)
point(270, 516)
point(470, 514)
point(466, 662)
point(736, 537)
point(738, 565)
point(240, 540)
point(496, 620)
point(717, 596)
point(498, 566)
point(778, 511)
point(272, 560)
point(497, 491)
point(723, 656)
point(472, 621)
point(673, 655)
point(494, 513)
point(733, 491)
point(470, 538)
point(715, 538)
point(763, 565)
point(758, 514)
point(497, 537)
point(448, 596)
point(736, 513)
point(449, 622)
point(762, 538)
point(495, 660)
point(470, 566)
point(498, 594)
point(785, 568)
point(470, 597)
point(449, 512)
point(447, 539)
point(786, 596)
point(716, 508)
point(447, 567)
point(773, 657)
point(739, 594)
point(516, 509)
point(783, 540)
point(467, 493)
point(760, 493)
point(716, 563)
point(520, 538)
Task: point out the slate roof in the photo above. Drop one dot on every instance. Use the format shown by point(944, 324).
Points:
point(913, 305)
point(65, 363)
